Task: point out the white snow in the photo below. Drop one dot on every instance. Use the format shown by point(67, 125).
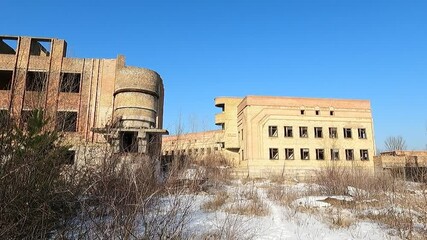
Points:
point(281, 222)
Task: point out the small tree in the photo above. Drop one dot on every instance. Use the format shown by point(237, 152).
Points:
point(395, 143)
point(34, 198)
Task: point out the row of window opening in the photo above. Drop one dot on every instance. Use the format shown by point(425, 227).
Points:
point(318, 132)
point(317, 112)
point(320, 154)
point(36, 81)
point(191, 151)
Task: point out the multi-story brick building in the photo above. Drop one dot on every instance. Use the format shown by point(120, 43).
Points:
point(95, 102)
point(265, 135)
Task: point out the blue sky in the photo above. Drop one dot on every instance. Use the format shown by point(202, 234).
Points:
point(362, 49)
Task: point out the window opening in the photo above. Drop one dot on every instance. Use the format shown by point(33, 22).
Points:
point(70, 82)
point(302, 112)
point(272, 131)
point(8, 45)
point(40, 47)
point(318, 132)
point(333, 132)
point(5, 79)
point(289, 153)
point(36, 81)
point(288, 131)
point(70, 157)
point(320, 154)
point(274, 154)
point(305, 154)
point(303, 132)
point(335, 154)
point(362, 133)
point(364, 154)
point(129, 142)
point(332, 113)
point(347, 132)
point(317, 112)
point(66, 121)
point(349, 154)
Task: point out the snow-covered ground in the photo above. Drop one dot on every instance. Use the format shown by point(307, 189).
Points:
point(281, 222)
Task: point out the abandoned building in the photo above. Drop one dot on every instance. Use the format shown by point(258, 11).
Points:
point(408, 165)
point(284, 135)
point(94, 102)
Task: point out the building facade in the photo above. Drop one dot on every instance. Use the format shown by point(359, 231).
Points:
point(294, 136)
point(408, 165)
point(94, 102)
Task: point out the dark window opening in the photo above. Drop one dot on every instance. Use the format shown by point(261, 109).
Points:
point(317, 112)
point(335, 154)
point(5, 79)
point(70, 157)
point(364, 154)
point(274, 154)
point(347, 132)
point(40, 47)
point(272, 131)
point(129, 142)
point(318, 132)
point(362, 133)
point(66, 121)
point(288, 131)
point(305, 154)
point(8, 45)
point(36, 81)
point(320, 154)
point(349, 154)
point(303, 132)
point(302, 112)
point(70, 82)
point(333, 132)
point(289, 153)
point(331, 113)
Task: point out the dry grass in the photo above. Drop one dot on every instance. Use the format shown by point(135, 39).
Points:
point(216, 203)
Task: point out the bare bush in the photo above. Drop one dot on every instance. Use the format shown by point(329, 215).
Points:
point(395, 143)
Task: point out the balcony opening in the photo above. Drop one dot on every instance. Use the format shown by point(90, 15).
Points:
point(128, 142)
point(8, 45)
point(5, 79)
point(36, 81)
point(40, 47)
point(70, 82)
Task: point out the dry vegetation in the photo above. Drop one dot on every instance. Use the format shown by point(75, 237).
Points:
point(399, 205)
point(42, 198)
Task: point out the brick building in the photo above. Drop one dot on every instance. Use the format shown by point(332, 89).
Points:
point(95, 102)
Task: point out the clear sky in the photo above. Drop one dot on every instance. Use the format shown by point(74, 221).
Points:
point(361, 49)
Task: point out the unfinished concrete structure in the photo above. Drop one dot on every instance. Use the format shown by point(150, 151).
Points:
point(93, 101)
point(289, 136)
point(408, 165)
